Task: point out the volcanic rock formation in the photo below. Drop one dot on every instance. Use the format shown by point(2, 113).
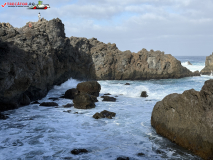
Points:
point(33, 59)
point(187, 119)
point(208, 69)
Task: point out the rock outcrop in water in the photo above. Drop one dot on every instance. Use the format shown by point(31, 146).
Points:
point(208, 69)
point(33, 59)
point(187, 119)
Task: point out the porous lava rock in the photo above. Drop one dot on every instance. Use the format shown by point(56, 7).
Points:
point(84, 101)
point(144, 94)
point(71, 93)
point(34, 59)
point(48, 104)
point(90, 87)
point(208, 69)
point(187, 119)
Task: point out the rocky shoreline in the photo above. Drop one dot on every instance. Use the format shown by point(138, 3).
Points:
point(34, 59)
point(208, 69)
point(187, 119)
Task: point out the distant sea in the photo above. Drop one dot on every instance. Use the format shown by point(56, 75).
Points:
point(34, 132)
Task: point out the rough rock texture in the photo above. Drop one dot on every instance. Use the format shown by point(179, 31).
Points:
point(33, 59)
point(208, 69)
point(187, 119)
point(144, 94)
point(84, 101)
point(91, 87)
point(71, 93)
point(104, 114)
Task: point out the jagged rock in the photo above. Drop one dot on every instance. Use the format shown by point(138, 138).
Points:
point(90, 87)
point(48, 104)
point(108, 98)
point(79, 151)
point(71, 93)
point(127, 84)
point(104, 114)
point(68, 105)
point(208, 69)
point(34, 59)
point(144, 94)
point(84, 101)
point(187, 119)
point(188, 63)
point(98, 115)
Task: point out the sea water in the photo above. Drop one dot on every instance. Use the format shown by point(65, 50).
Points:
point(36, 133)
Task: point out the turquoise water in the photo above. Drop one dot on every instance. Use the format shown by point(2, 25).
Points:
point(34, 132)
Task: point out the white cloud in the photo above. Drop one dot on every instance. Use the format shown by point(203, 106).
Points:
point(180, 27)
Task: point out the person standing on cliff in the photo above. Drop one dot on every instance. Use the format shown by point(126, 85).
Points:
point(39, 16)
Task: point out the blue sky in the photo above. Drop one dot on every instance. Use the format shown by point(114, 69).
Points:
point(177, 27)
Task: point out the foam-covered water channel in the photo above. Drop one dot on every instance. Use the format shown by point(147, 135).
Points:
point(35, 132)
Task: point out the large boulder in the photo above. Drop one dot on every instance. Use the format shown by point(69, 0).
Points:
point(187, 119)
point(208, 69)
point(84, 101)
point(90, 87)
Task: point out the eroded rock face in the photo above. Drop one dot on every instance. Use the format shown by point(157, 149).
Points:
point(208, 69)
point(33, 59)
point(187, 119)
point(91, 87)
point(84, 101)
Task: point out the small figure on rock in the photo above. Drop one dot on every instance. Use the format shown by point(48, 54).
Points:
point(39, 16)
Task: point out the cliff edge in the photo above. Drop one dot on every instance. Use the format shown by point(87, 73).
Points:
point(39, 55)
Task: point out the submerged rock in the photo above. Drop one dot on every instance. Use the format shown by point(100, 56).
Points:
point(48, 104)
point(68, 105)
point(144, 94)
point(127, 84)
point(107, 94)
point(2, 116)
point(104, 114)
point(71, 93)
point(140, 154)
point(208, 69)
point(90, 87)
point(107, 98)
point(54, 98)
point(187, 119)
point(84, 101)
point(79, 151)
point(35, 102)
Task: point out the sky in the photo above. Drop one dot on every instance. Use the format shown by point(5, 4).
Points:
point(177, 27)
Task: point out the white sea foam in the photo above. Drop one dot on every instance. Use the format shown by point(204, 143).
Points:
point(34, 132)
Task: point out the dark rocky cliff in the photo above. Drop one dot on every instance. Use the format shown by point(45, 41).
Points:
point(208, 69)
point(33, 59)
